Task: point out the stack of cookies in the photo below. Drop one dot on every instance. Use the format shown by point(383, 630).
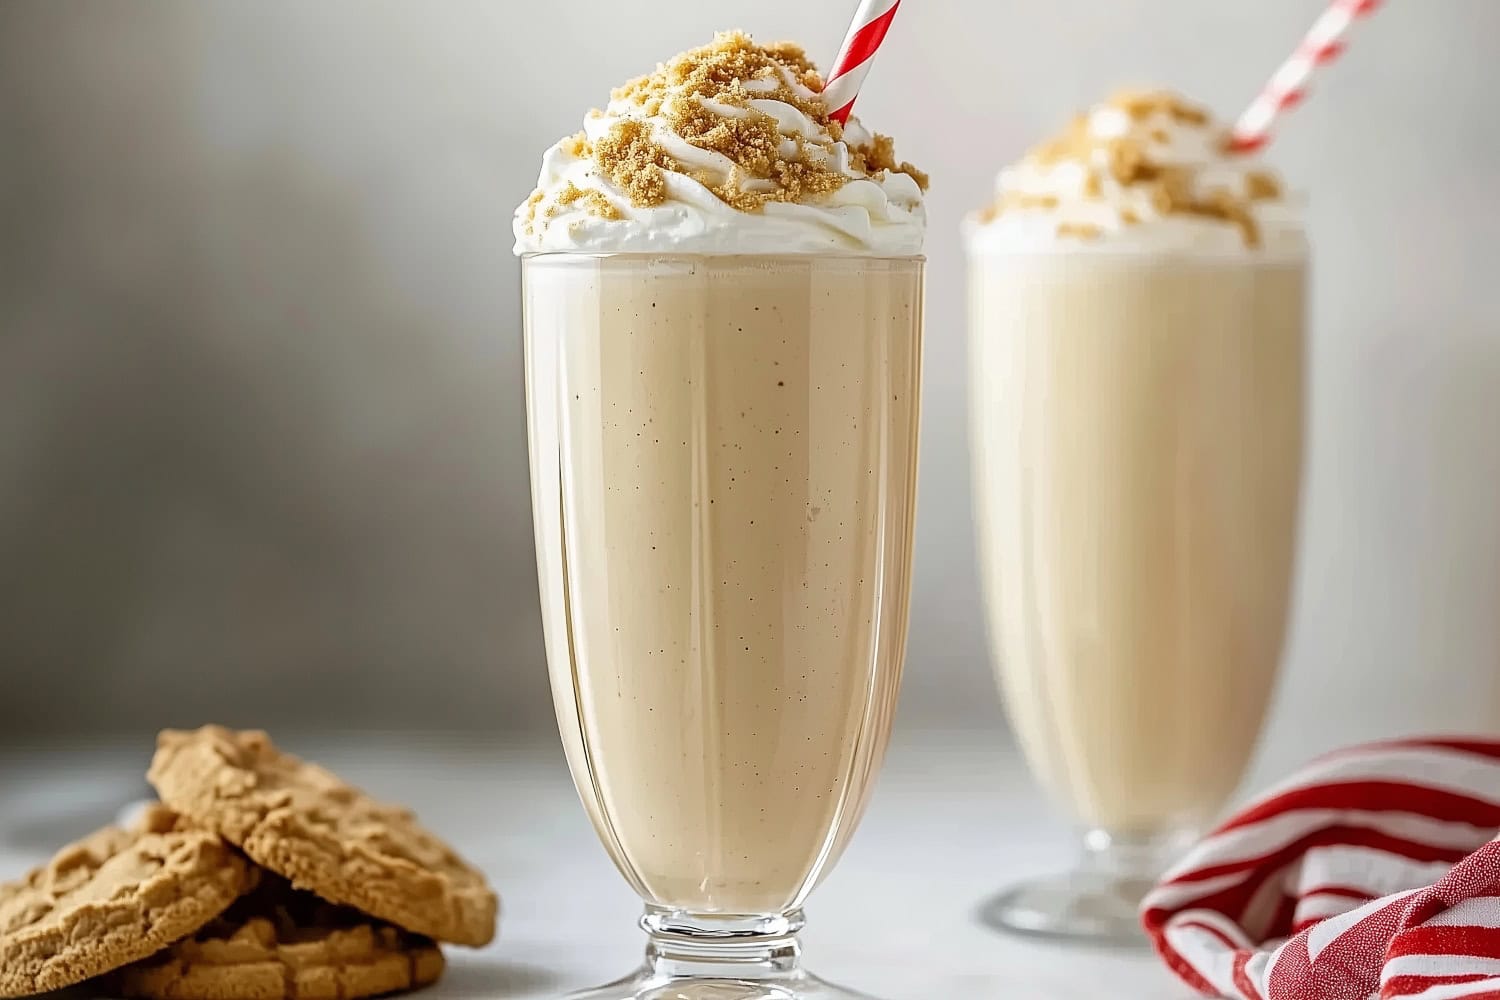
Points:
point(256, 877)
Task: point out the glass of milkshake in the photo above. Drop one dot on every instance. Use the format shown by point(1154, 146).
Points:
point(723, 315)
point(1137, 303)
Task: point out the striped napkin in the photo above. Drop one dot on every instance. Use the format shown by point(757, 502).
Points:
point(1374, 872)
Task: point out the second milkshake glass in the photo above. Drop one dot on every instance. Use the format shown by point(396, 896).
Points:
point(1137, 436)
point(723, 455)
point(1137, 337)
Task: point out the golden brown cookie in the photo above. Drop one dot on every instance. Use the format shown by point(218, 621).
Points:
point(280, 943)
point(113, 898)
point(302, 822)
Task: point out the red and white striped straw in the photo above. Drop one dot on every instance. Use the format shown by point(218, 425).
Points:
point(871, 22)
point(1288, 86)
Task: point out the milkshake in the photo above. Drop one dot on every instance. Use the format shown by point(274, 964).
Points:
point(723, 316)
point(1137, 302)
point(735, 478)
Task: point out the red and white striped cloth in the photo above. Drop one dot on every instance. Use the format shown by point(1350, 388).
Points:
point(1374, 872)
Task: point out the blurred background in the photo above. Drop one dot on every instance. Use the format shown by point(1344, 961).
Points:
point(262, 447)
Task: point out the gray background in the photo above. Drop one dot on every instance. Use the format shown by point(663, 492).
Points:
point(262, 448)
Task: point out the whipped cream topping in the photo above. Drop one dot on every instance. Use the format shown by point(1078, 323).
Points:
point(1142, 171)
point(725, 149)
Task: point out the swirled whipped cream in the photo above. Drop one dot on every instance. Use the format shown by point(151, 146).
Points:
point(727, 148)
point(1145, 171)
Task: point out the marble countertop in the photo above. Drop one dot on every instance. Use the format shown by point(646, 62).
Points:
point(955, 818)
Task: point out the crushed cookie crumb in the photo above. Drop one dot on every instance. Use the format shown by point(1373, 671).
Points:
point(1221, 204)
point(634, 162)
point(531, 205)
point(879, 155)
point(1189, 114)
point(921, 177)
point(593, 201)
point(1125, 160)
point(1137, 104)
point(1017, 201)
point(1261, 186)
point(1143, 104)
point(879, 158)
point(1020, 200)
point(601, 206)
point(1079, 230)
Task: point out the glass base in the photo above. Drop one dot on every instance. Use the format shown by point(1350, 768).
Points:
point(649, 984)
point(720, 958)
point(1097, 903)
point(1076, 906)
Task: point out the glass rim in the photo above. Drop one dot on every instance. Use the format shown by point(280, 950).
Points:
point(1302, 254)
point(647, 255)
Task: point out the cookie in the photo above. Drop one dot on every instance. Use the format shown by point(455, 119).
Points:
point(112, 898)
point(304, 823)
point(280, 943)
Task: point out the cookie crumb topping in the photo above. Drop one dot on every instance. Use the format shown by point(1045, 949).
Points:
point(1139, 156)
point(715, 98)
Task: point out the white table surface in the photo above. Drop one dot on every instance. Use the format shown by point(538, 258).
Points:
point(954, 818)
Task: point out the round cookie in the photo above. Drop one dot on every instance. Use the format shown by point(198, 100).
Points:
point(304, 823)
point(113, 898)
point(283, 944)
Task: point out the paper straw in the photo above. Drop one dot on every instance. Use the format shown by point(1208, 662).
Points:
point(871, 22)
point(1288, 86)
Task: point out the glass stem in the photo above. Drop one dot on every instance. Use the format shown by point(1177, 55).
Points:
point(721, 946)
point(1135, 862)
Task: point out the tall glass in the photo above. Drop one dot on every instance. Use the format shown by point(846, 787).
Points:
point(723, 460)
point(1136, 427)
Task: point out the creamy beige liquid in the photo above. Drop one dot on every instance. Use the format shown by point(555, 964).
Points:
point(724, 457)
point(1137, 445)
